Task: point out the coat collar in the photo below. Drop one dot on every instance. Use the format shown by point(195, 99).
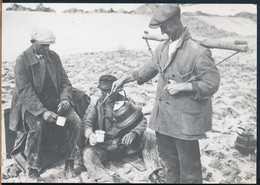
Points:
point(32, 59)
point(185, 35)
point(119, 97)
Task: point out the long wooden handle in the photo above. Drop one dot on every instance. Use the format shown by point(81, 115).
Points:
point(223, 45)
point(210, 43)
point(154, 37)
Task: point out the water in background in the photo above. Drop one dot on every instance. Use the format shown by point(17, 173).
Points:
point(75, 33)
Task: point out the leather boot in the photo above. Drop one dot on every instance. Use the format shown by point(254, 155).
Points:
point(69, 169)
point(155, 178)
point(34, 175)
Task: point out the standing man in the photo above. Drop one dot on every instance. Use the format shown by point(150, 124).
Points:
point(43, 92)
point(183, 109)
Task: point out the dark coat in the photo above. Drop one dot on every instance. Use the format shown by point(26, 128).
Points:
point(29, 81)
point(93, 116)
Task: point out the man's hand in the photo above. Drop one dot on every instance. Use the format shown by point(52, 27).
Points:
point(128, 138)
point(63, 105)
point(174, 87)
point(50, 116)
point(121, 82)
point(117, 85)
point(92, 138)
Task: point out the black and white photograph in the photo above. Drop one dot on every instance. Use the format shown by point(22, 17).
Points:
point(129, 93)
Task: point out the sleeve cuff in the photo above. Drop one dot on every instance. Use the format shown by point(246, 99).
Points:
point(88, 132)
point(137, 78)
point(196, 90)
point(40, 113)
point(137, 134)
point(68, 100)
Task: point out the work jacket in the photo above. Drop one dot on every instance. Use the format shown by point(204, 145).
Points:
point(185, 115)
point(93, 120)
point(29, 81)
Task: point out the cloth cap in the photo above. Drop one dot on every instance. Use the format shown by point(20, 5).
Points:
point(163, 13)
point(42, 35)
point(106, 81)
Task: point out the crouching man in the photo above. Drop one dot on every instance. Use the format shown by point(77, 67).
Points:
point(122, 134)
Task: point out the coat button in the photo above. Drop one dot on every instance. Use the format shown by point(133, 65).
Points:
point(173, 75)
point(160, 99)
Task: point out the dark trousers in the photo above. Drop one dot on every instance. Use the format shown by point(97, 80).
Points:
point(181, 158)
point(37, 129)
point(94, 156)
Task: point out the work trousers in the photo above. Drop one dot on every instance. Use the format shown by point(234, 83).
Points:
point(94, 156)
point(37, 129)
point(181, 158)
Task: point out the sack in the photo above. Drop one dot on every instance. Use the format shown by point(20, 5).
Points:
point(81, 101)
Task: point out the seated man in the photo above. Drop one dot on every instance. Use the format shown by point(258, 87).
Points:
point(43, 92)
point(119, 136)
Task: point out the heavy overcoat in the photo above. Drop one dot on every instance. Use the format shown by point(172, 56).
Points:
point(29, 81)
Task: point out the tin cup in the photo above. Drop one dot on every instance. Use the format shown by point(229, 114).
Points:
point(100, 134)
point(61, 121)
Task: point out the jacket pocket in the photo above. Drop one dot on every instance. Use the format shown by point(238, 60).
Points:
point(182, 77)
point(192, 122)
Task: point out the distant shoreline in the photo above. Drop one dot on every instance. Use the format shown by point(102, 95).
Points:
point(247, 11)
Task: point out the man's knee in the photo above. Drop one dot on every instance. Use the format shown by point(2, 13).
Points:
point(35, 124)
point(149, 138)
point(149, 134)
point(88, 153)
point(78, 125)
point(37, 127)
point(75, 123)
point(73, 120)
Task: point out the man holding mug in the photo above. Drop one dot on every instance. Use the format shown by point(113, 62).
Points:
point(43, 91)
point(108, 140)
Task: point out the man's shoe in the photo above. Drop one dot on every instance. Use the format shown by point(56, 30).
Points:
point(155, 178)
point(118, 179)
point(34, 175)
point(69, 169)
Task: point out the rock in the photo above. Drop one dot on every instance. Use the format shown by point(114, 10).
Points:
point(39, 7)
point(252, 16)
point(11, 171)
point(42, 8)
point(196, 13)
point(73, 10)
point(16, 7)
point(207, 177)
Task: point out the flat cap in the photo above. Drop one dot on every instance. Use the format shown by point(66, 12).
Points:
point(162, 14)
point(106, 81)
point(42, 35)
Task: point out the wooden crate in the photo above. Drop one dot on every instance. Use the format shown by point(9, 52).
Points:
point(9, 134)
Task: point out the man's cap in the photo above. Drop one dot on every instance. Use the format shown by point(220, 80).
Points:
point(106, 81)
point(163, 13)
point(42, 35)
